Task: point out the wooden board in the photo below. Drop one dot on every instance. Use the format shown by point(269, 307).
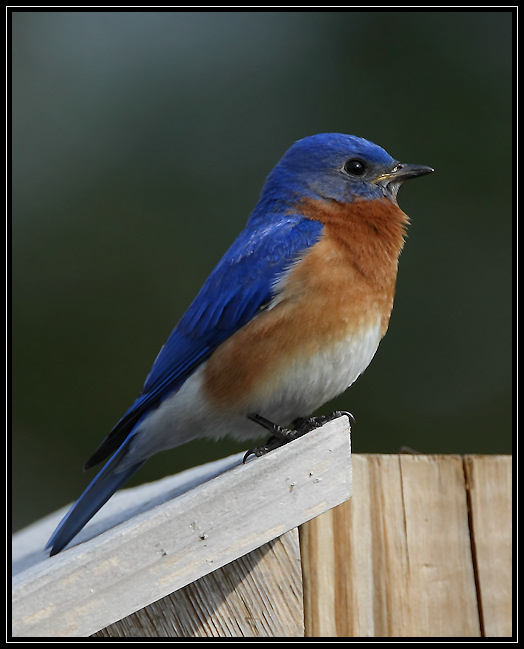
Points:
point(489, 482)
point(160, 550)
point(257, 596)
point(396, 560)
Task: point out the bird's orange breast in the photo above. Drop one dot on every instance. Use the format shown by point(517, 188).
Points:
point(342, 287)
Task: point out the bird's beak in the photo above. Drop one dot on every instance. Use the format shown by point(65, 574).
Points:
point(391, 180)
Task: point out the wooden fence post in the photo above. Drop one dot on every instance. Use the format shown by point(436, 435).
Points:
point(422, 549)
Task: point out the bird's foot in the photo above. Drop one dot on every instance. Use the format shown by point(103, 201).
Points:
point(305, 425)
point(281, 436)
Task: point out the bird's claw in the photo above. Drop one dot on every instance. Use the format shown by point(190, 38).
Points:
point(305, 425)
point(272, 443)
point(281, 436)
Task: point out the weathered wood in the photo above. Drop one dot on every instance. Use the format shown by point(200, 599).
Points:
point(395, 561)
point(489, 487)
point(28, 543)
point(258, 595)
point(144, 559)
point(422, 550)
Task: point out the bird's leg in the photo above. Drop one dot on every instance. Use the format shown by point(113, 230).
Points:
point(274, 429)
point(281, 436)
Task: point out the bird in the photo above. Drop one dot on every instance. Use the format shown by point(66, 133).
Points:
point(288, 319)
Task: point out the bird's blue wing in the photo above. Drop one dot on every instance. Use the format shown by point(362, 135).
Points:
point(241, 285)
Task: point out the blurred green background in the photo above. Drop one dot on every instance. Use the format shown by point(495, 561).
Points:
point(140, 143)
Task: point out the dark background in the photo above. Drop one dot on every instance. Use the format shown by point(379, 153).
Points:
point(140, 143)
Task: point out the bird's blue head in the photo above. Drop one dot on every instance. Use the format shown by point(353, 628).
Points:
point(339, 167)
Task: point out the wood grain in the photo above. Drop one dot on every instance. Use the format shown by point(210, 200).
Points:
point(423, 549)
point(489, 486)
point(162, 549)
point(257, 596)
point(395, 561)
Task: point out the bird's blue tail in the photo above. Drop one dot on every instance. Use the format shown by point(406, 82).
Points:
point(102, 487)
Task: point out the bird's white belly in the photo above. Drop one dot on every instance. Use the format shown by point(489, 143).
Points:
point(304, 385)
point(307, 383)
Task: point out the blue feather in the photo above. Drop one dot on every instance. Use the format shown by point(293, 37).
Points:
point(100, 490)
point(241, 284)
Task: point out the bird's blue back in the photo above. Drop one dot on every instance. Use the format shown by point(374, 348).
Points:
point(240, 286)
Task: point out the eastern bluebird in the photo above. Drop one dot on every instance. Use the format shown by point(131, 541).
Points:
point(290, 317)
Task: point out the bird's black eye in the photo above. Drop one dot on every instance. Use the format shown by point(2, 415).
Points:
point(355, 167)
